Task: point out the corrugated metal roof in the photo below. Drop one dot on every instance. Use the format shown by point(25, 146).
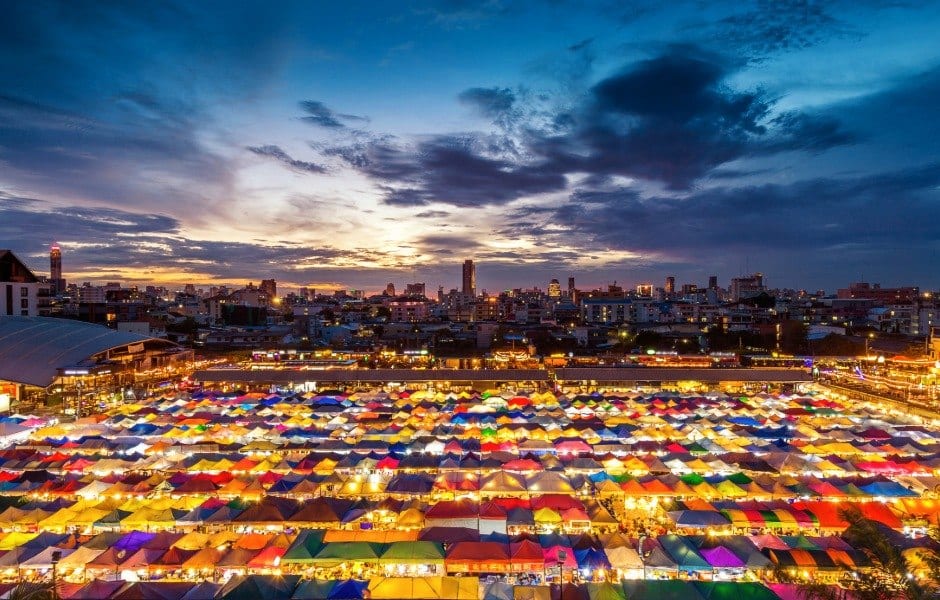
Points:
point(371, 375)
point(32, 348)
point(680, 374)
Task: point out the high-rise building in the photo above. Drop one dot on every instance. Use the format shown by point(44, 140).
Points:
point(571, 286)
point(554, 289)
point(469, 278)
point(644, 290)
point(747, 287)
point(713, 282)
point(269, 287)
point(390, 289)
point(56, 282)
point(670, 285)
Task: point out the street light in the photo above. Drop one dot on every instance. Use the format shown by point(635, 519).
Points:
point(870, 336)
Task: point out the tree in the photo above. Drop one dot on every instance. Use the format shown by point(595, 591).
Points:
point(889, 577)
point(33, 590)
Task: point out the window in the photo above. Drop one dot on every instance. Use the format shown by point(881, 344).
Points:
point(24, 313)
point(24, 303)
point(24, 292)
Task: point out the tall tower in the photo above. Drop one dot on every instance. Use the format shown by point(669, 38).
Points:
point(55, 269)
point(469, 278)
point(670, 285)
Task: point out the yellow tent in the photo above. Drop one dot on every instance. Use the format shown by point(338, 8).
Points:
point(405, 588)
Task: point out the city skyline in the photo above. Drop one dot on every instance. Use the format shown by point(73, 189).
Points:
point(466, 284)
point(326, 148)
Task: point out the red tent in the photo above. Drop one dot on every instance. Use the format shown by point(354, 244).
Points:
point(526, 556)
point(477, 557)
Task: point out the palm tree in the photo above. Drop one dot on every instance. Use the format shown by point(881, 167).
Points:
point(889, 577)
point(33, 590)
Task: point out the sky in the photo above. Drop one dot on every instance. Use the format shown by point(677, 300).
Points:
point(348, 145)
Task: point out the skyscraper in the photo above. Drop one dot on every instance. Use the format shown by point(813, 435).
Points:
point(713, 282)
point(670, 285)
point(55, 270)
point(554, 289)
point(469, 278)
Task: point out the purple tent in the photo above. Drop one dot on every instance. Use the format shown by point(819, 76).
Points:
point(722, 558)
point(133, 541)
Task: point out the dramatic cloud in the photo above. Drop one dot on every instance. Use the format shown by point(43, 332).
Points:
point(610, 139)
point(820, 219)
point(670, 119)
point(450, 170)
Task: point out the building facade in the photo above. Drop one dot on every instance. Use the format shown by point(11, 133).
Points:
point(20, 290)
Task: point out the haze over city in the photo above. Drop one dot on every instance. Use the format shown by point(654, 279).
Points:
point(352, 145)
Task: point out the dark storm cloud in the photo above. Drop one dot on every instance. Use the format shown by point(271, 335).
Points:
point(449, 169)
point(433, 214)
point(282, 157)
point(319, 114)
point(670, 119)
point(809, 218)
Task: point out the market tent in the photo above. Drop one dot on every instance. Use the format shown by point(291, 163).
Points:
point(152, 590)
point(478, 557)
point(94, 590)
point(205, 590)
point(698, 518)
point(253, 587)
point(336, 553)
point(314, 589)
point(424, 588)
point(498, 590)
point(728, 590)
point(413, 553)
point(605, 591)
point(624, 558)
point(526, 556)
point(532, 592)
point(306, 546)
point(721, 558)
point(664, 589)
point(685, 555)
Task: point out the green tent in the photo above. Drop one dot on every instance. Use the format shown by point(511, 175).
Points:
point(661, 589)
point(334, 553)
point(728, 590)
point(605, 591)
point(413, 553)
point(307, 544)
point(253, 587)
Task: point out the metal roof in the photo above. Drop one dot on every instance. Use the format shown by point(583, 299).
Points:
point(32, 348)
point(369, 375)
point(652, 374)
